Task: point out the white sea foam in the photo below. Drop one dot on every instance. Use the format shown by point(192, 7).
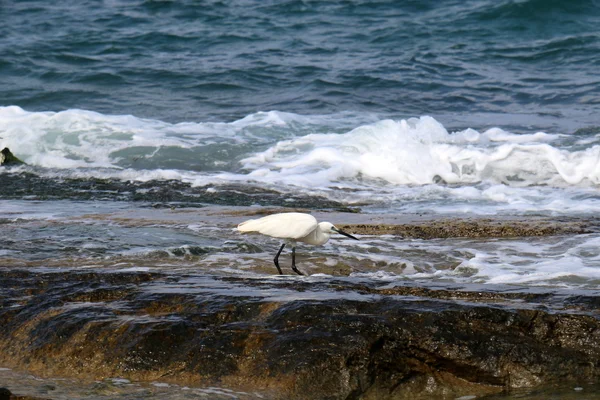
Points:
point(569, 261)
point(411, 165)
point(85, 139)
point(416, 151)
point(420, 151)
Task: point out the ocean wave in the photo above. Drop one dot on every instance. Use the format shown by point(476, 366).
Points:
point(420, 151)
point(84, 139)
point(306, 151)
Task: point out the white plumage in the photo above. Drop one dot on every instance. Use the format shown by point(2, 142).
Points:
point(283, 226)
point(293, 227)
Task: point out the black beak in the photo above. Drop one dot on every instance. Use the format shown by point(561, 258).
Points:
point(341, 232)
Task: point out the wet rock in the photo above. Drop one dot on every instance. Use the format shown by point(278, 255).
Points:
point(8, 158)
point(157, 194)
point(472, 228)
point(6, 394)
point(294, 339)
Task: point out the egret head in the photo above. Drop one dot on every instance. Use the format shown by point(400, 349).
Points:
point(328, 228)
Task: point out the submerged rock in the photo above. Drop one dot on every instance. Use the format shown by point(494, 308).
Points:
point(294, 339)
point(155, 193)
point(8, 158)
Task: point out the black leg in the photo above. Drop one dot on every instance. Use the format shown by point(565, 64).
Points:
point(276, 259)
point(294, 262)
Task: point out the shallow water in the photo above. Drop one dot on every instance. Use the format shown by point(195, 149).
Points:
point(118, 235)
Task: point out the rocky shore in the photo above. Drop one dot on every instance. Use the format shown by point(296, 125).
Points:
point(298, 338)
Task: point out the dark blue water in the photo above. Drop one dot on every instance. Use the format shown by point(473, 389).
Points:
point(222, 60)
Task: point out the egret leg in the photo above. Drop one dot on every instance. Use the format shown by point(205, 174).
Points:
point(276, 259)
point(294, 262)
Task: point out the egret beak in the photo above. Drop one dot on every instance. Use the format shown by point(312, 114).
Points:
point(341, 232)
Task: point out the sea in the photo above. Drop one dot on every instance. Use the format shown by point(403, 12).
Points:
point(148, 128)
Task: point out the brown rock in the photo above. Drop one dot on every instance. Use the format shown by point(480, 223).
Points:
point(341, 341)
point(472, 228)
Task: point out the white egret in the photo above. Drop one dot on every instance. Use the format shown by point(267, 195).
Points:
point(293, 227)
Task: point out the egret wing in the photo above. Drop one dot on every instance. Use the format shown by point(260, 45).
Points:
point(283, 226)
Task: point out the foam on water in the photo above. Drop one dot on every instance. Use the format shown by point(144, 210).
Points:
point(348, 157)
point(415, 151)
point(86, 139)
point(570, 262)
point(420, 151)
